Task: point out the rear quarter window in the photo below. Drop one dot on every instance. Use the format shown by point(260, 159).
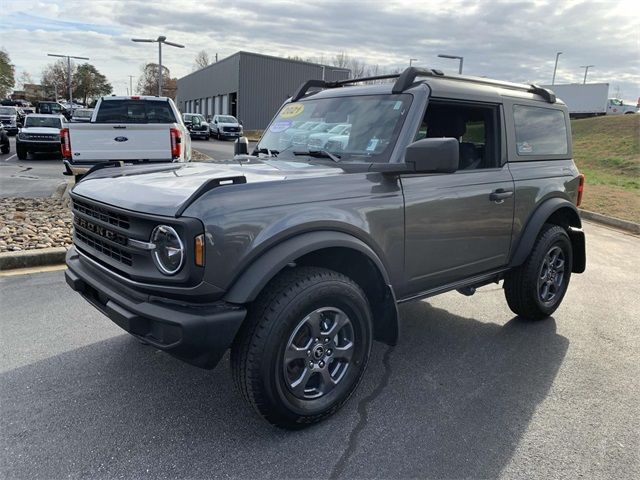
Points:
point(540, 131)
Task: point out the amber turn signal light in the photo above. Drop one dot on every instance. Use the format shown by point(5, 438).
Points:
point(199, 250)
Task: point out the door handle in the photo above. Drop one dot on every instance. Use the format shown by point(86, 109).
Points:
point(500, 194)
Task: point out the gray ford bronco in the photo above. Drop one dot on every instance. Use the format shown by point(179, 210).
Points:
point(295, 256)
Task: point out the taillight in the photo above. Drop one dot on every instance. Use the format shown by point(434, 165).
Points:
point(65, 143)
point(176, 142)
point(580, 190)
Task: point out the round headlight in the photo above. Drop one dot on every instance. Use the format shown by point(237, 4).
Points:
point(169, 251)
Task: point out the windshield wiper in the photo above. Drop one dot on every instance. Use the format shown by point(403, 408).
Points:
point(320, 154)
point(266, 151)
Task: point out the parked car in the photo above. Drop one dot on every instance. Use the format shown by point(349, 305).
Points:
point(52, 108)
point(82, 115)
point(286, 139)
point(40, 134)
point(319, 140)
point(5, 145)
point(197, 125)
point(225, 126)
point(135, 129)
point(297, 261)
point(11, 117)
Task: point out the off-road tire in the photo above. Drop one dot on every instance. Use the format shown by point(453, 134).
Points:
point(21, 152)
point(258, 350)
point(521, 284)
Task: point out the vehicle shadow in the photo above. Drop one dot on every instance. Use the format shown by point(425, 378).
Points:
point(460, 394)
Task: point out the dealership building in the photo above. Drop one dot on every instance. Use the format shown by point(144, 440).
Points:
point(249, 86)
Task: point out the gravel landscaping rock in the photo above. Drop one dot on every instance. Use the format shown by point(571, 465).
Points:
point(33, 223)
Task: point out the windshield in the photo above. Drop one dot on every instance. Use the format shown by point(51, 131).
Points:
point(51, 122)
point(7, 111)
point(135, 111)
point(366, 127)
point(227, 119)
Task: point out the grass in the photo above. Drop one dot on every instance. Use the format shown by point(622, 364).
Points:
point(607, 150)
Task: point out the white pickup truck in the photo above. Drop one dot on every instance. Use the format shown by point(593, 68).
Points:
point(135, 129)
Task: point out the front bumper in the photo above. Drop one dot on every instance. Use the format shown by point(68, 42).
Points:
point(11, 129)
point(198, 334)
point(36, 147)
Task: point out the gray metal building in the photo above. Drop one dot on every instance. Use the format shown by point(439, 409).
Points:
point(249, 86)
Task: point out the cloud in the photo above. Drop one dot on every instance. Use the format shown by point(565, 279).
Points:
point(514, 40)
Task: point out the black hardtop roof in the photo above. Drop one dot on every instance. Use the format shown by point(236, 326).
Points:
point(439, 83)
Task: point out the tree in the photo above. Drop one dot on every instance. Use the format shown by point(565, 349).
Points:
point(55, 79)
point(148, 81)
point(25, 78)
point(89, 83)
point(7, 74)
point(201, 60)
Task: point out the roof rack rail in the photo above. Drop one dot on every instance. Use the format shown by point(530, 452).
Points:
point(302, 90)
point(408, 78)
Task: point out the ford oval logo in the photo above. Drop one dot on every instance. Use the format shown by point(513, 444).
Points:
point(121, 139)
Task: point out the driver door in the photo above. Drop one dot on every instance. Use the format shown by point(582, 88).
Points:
point(459, 225)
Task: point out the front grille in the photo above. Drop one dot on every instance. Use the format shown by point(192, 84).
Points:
point(230, 129)
point(41, 137)
point(102, 214)
point(103, 247)
point(333, 146)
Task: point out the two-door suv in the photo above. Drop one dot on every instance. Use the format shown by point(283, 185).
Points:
point(298, 259)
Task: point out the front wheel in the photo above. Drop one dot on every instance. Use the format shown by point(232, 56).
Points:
point(21, 152)
point(535, 289)
point(303, 347)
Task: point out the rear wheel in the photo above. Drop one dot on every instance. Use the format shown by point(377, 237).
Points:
point(303, 347)
point(4, 148)
point(535, 289)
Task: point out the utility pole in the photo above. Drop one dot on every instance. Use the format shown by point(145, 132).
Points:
point(216, 57)
point(130, 85)
point(160, 40)
point(68, 57)
point(454, 57)
point(586, 70)
point(555, 67)
point(411, 60)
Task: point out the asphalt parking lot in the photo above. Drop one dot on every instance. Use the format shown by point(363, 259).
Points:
point(469, 392)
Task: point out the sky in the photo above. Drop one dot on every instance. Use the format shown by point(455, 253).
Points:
point(507, 40)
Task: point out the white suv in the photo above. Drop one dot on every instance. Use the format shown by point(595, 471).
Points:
point(225, 126)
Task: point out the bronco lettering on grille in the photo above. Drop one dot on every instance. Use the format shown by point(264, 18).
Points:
point(100, 230)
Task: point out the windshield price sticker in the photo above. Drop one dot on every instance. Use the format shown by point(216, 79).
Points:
point(292, 110)
point(373, 143)
point(277, 127)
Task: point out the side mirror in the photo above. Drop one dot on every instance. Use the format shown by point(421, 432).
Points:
point(241, 146)
point(433, 155)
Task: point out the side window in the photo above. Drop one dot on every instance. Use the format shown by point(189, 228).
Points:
point(540, 131)
point(474, 126)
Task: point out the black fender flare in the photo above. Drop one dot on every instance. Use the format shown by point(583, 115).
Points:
point(246, 287)
point(249, 283)
point(538, 219)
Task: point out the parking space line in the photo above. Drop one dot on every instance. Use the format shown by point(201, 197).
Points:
point(7, 159)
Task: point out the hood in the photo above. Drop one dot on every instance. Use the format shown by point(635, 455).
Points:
point(221, 124)
point(47, 130)
point(165, 189)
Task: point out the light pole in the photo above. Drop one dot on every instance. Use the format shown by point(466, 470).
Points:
point(586, 70)
point(160, 40)
point(68, 57)
point(411, 60)
point(131, 84)
point(454, 57)
point(555, 67)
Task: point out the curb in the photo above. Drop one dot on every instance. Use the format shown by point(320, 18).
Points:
point(618, 223)
point(32, 258)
